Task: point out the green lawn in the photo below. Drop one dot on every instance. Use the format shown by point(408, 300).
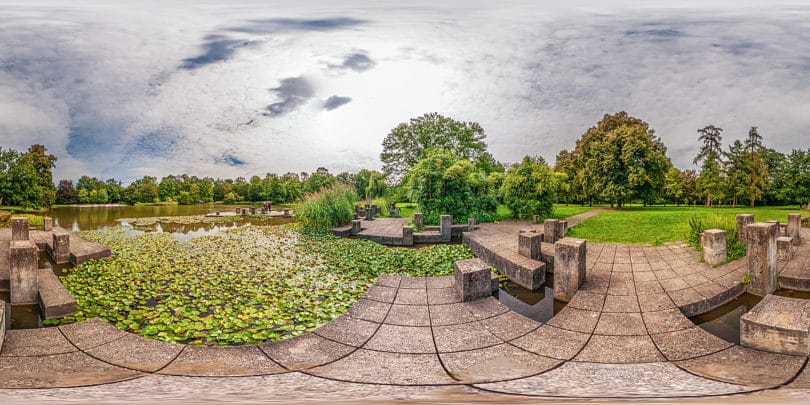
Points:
point(662, 224)
point(562, 211)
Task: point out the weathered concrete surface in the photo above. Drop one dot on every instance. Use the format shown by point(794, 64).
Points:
point(59, 248)
point(446, 222)
point(23, 262)
point(54, 299)
point(407, 235)
point(5, 321)
point(761, 256)
point(743, 220)
point(488, 244)
point(569, 267)
point(551, 229)
point(784, 247)
point(418, 220)
point(713, 242)
point(794, 226)
point(356, 228)
point(47, 224)
point(529, 244)
point(472, 279)
point(779, 325)
point(19, 228)
point(82, 250)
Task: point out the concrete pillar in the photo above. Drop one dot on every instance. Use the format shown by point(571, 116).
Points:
point(407, 235)
point(535, 219)
point(356, 227)
point(761, 255)
point(569, 267)
point(784, 247)
point(562, 229)
point(470, 224)
point(743, 220)
point(23, 265)
point(550, 228)
point(286, 212)
point(61, 246)
point(529, 244)
point(713, 242)
point(47, 224)
point(473, 279)
point(446, 222)
point(252, 210)
point(368, 214)
point(19, 228)
point(417, 221)
point(794, 227)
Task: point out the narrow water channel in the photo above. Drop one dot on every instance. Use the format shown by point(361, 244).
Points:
point(539, 305)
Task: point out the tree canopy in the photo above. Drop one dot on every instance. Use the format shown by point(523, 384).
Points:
point(408, 143)
point(25, 178)
point(530, 188)
point(618, 160)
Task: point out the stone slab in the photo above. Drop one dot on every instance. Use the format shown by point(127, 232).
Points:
point(779, 325)
point(464, 336)
point(371, 367)
point(222, 361)
point(23, 260)
point(553, 342)
point(402, 339)
point(472, 279)
point(569, 267)
point(348, 330)
point(19, 229)
point(54, 299)
point(688, 343)
point(91, 333)
point(620, 350)
point(136, 353)
point(495, 363)
point(306, 351)
point(73, 369)
point(744, 366)
point(412, 315)
point(5, 321)
point(510, 325)
point(35, 342)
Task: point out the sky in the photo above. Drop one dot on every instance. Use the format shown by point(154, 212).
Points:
point(124, 89)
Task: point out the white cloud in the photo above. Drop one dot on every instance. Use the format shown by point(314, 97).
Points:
point(535, 75)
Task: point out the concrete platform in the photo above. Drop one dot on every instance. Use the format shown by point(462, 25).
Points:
point(779, 325)
point(54, 299)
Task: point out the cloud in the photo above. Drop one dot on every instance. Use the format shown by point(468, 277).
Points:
point(293, 92)
point(230, 159)
point(334, 102)
point(356, 61)
point(277, 25)
point(216, 48)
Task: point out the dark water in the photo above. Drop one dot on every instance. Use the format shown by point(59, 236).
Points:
point(22, 316)
point(539, 305)
point(724, 321)
point(83, 218)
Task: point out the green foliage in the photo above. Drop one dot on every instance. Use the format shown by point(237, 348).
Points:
point(444, 184)
point(241, 286)
point(317, 181)
point(710, 182)
point(231, 198)
point(530, 188)
point(377, 187)
point(411, 142)
point(26, 179)
point(701, 222)
point(746, 278)
point(618, 160)
point(327, 209)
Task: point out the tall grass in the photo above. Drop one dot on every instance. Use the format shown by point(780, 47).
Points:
point(329, 208)
point(699, 223)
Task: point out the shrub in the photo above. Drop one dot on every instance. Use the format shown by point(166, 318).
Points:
point(530, 188)
point(697, 224)
point(326, 209)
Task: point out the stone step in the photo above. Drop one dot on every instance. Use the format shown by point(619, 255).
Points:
point(82, 250)
point(779, 325)
point(54, 299)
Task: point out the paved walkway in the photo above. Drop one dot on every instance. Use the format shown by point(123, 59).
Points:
point(623, 335)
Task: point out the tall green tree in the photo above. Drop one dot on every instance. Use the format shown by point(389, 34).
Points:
point(738, 172)
point(410, 142)
point(530, 188)
point(43, 165)
point(709, 156)
point(65, 193)
point(757, 169)
point(617, 160)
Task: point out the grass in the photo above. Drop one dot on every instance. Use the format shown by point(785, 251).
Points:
point(661, 224)
point(562, 211)
point(241, 286)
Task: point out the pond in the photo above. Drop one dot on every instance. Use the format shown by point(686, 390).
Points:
point(92, 217)
point(538, 305)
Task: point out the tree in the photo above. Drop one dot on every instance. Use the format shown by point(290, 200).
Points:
point(442, 183)
point(65, 193)
point(43, 164)
point(736, 165)
point(530, 188)
point(710, 179)
point(757, 170)
point(408, 143)
point(23, 175)
point(617, 160)
point(793, 179)
point(318, 180)
point(673, 186)
point(377, 187)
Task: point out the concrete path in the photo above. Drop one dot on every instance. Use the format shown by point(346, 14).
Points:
point(624, 335)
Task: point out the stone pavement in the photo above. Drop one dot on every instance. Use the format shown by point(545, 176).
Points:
point(625, 334)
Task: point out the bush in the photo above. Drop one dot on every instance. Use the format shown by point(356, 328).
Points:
point(697, 224)
point(530, 188)
point(326, 209)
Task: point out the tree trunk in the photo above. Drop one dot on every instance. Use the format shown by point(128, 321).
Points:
point(752, 203)
point(708, 200)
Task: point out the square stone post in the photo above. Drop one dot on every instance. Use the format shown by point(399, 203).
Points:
point(473, 279)
point(550, 228)
point(713, 242)
point(535, 219)
point(368, 214)
point(47, 224)
point(794, 227)
point(470, 224)
point(374, 210)
point(784, 247)
point(569, 267)
point(19, 228)
point(23, 281)
point(761, 255)
point(417, 221)
point(407, 235)
point(446, 227)
point(743, 220)
point(529, 244)
point(61, 246)
point(356, 227)
point(252, 210)
point(562, 229)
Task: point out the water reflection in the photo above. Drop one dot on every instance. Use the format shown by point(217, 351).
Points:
point(538, 305)
point(22, 316)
